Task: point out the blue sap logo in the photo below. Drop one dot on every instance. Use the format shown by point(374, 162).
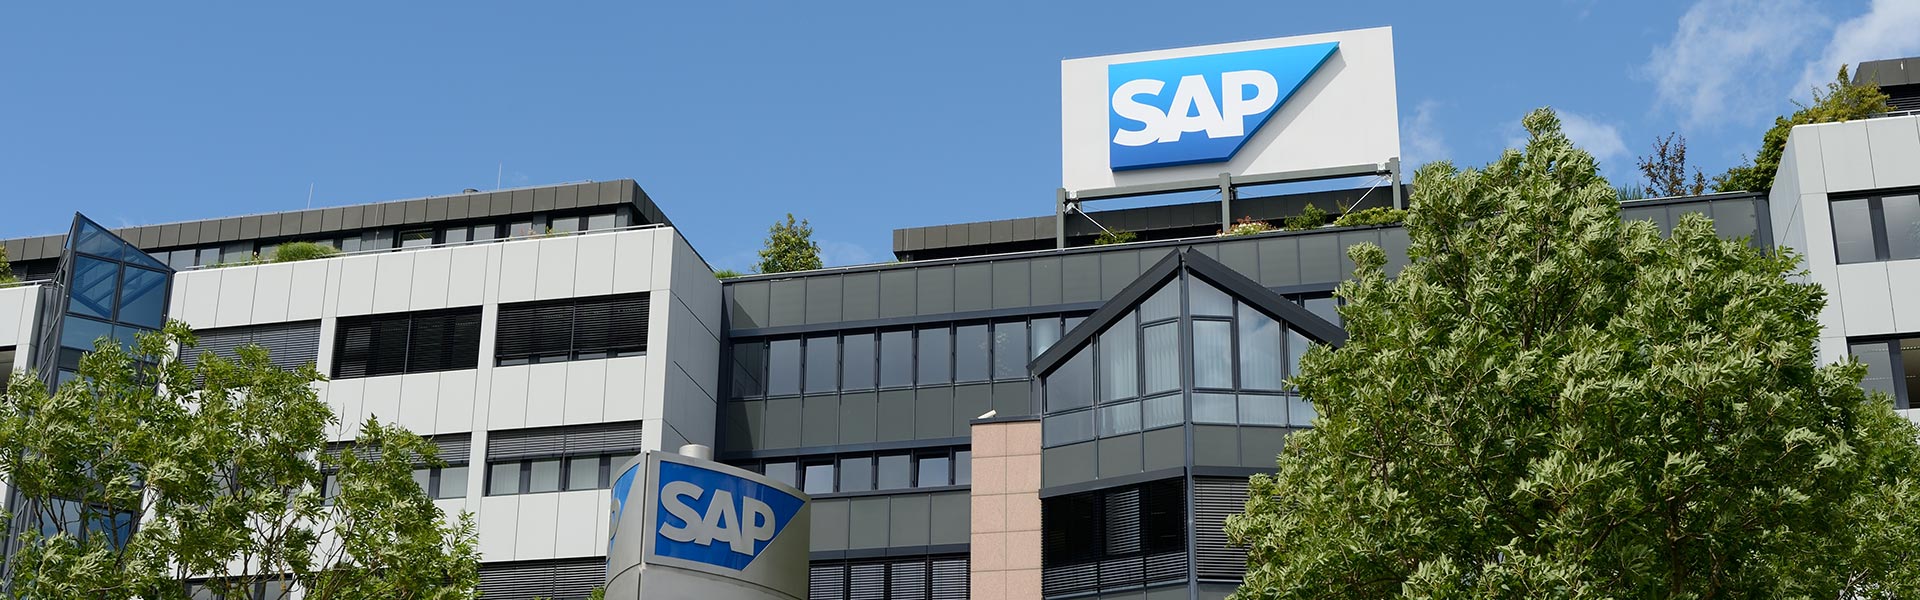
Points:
point(1200, 109)
point(715, 518)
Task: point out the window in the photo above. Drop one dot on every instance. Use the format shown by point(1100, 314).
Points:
point(896, 358)
point(551, 459)
point(870, 471)
point(936, 351)
point(6, 367)
point(783, 367)
point(1099, 526)
point(819, 479)
point(896, 472)
point(596, 222)
point(823, 364)
point(564, 225)
point(784, 472)
point(288, 345)
point(572, 329)
point(1119, 359)
point(749, 369)
point(1046, 331)
point(972, 351)
point(1893, 368)
point(418, 342)
point(1874, 228)
point(1070, 385)
point(933, 470)
point(542, 475)
point(856, 362)
point(527, 227)
point(1260, 359)
point(1010, 350)
point(856, 474)
point(416, 238)
point(441, 482)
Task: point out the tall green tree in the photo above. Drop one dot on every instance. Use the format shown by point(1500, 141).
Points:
point(1549, 402)
point(1843, 100)
point(790, 247)
point(223, 465)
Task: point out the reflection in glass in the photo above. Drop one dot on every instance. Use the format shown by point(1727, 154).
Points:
point(1068, 428)
point(856, 362)
point(1161, 412)
point(1902, 217)
point(1070, 385)
point(1118, 419)
point(856, 474)
point(1119, 361)
point(1163, 304)
point(1162, 357)
point(1046, 331)
point(143, 298)
point(1300, 412)
point(963, 467)
point(1214, 408)
point(1010, 350)
point(1213, 354)
point(749, 366)
point(819, 479)
point(1207, 301)
point(783, 367)
point(503, 478)
point(1256, 409)
point(932, 472)
point(80, 333)
point(784, 472)
point(935, 352)
point(94, 284)
point(822, 364)
point(1878, 357)
point(896, 472)
point(1260, 366)
point(971, 350)
point(896, 358)
point(583, 473)
point(453, 482)
point(544, 476)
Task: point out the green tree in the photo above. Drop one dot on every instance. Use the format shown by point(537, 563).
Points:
point(1110, 237)
point(1549, 402)
point(6, 268)
point(1843, 100)
point(224, 463)
point(790, 247)
point(1666, 169)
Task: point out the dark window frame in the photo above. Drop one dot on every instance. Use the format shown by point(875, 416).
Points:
point(525, 321)
point(524, 473)
point(1876, 220)
point(433, 352)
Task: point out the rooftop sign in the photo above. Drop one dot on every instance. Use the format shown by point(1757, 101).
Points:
point(1246, 108)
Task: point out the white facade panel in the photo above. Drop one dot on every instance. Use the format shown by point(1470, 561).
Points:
point(578, 514)
point(593, 265)
point(518, 260)
point(307, 299)
point(430, 271)
point(17, 305)
point(499, 527)
point(355, 291)
point(1845, 156)
point(381, 398)
point(419, 401)
point(467, 275)
point(507, 407)
point(1896, 151)
point(344, 395)
point(236, 296)
point(271, 288)
point(1807, 167)
point(627, 392)
point(633, 264)
point(393, 277)
point(555, 275)
point(1903, 288)
point(454, 408)
point(586, 392)
point(1866, 299)
point(202, 293)
point(546, 394)
point(539, 519)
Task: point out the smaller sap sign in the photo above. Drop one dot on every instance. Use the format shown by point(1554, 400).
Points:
point(1200, 109)
point(718, 519)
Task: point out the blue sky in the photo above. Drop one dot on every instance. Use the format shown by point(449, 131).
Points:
point(862, 117)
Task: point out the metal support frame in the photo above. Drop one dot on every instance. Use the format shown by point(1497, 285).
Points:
point(1228, 185)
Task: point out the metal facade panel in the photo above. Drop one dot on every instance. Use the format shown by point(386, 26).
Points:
point(170, 235)
point(437, 209)
point(522, 201)
point(543, 199)
point(414, 211)
point(566, 196)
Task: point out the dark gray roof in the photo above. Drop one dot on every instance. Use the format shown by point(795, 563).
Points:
point(320, 222)
point(1890, 72)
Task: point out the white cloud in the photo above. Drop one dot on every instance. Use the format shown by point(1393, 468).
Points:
point(1726, 59)
point(840, 254)
point(1423, 142)
point(1602, 140)
point(1889, 29)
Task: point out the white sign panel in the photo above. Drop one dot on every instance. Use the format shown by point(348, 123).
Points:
point(1245, 108)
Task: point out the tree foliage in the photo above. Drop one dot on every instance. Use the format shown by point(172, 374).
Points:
point(1666, 169)
point(1310, 217)
point(298, 251)
point(6, 268)
point(1114, 236)
point(790, 247)
point(1843, 100)
point(223, 463)
point(1378, 215)
point(1549, 402)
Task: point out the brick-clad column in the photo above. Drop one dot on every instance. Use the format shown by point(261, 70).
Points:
point(1006, 510)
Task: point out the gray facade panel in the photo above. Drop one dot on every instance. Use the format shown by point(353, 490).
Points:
point(788, 304)
point(1165, 448)
point(857, 417)
point(738, 433)
point(229, 230)
point(1243, 256)
point(980, 232)
point(1002, 231)
point(750, 308)
point(1260, 446)
point(499, 204)
point(935, 290)
point(331, 219)
point(823, 299)
point(1279, 262)
point(615, 192)
point(894, 419)
point(1216, 446)
point(1066, 465)
point(353, 217)
point(897, 297)
point(249, 228)
point(170, 234)
point(1012, 282)
point(971, 401)
point(437, 209)
point(190, 234)
point(1317, 261)
point(522, 201)
point(861, 296)
point(1348, 240)
point(916, 239)
point(912, 520)
point(566, 196)
point(955, 512)
point(1120, 455)
point(270, 225)
point(1395, 243)
point(935, 237)
point(1023, 229)
point(1117, 269)
point(1046, 281)
point(871, 529)
point(781, 414)
point(829, 525)
point(1013, 399)
point(457, 207)
point(972, 287)
point(310, 222)
point(933, 412)
point(820, 421)
point(543, 199)
point(1080, 278)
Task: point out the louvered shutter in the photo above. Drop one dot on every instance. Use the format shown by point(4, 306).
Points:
point(444, 340)
point(353, 347)
point(1214, 499)
point(557, 579)
point(388, 350)
point(603, 438)
point(827, 582)
point(907, 579)
point(289, 345)
point(867, 581)
point(950, 579)
point(611, 325)
point(534, 329)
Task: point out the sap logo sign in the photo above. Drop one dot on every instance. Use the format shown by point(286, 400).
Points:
point(718, 519)
point(1200, 109)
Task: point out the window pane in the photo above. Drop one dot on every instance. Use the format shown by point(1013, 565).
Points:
point(583, 473)
point(503, 478)
point(1068, 428)
point(749, 366)
point(1260, 366)
point(484, 232)
point(1070, 385)
point(1162, 357)
point(1300, 412)
point(933, 472)
point(971, 349)
point(564, 225)
point(180, 260)
point(524, 229)
point(237, 252)
point(1213, 408)
point(1909, 372)
point(416, 238)
point(453, 482)
point(1010, 350)
point(1257, 409)
point(963, 467)
point(1205, 300)
point(94, 284)
point(545, 476)
point(422, 477)
point(1161, 412)
point(1119, 419)
point(1325, 307)
point(896, 472)
point(784, 472)
point(856, 474)
point(856, 362)
point(1296, 347)
point(819, 479)
point(1119, 361)
point(822, 364)
point(80, 333)
point(1163, 304)
point(935, 351)
point(1880, 373)
point(600, 221)
point(143, 298)
point(1212, 354)
point(896, 358)
point(210, 256)
point(454, 235)
point(1902, 217)
point(783, 367)
point(1853, 231)
point(1045, 332)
